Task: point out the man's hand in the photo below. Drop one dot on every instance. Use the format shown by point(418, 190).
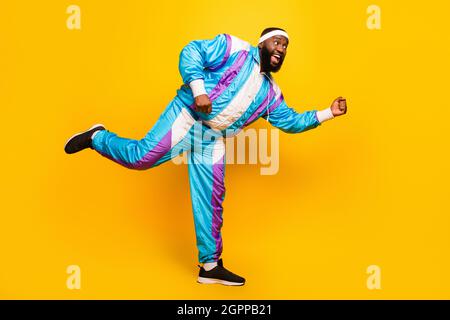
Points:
point(203, 104)
point(339, 107)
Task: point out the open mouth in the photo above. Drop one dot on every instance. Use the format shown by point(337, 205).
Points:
point(275, 58)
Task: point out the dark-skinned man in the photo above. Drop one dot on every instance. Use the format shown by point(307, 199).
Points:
point(228, 85)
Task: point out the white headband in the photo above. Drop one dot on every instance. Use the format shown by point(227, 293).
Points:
point(272, 34)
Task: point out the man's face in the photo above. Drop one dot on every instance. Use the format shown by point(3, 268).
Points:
point(273, 52)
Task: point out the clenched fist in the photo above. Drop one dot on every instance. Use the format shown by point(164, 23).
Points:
point(339, 106)
point(203, 104)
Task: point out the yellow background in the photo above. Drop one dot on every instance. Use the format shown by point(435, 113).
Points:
point(369, 188)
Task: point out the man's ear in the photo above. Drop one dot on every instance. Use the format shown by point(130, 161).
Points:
point(260, 45)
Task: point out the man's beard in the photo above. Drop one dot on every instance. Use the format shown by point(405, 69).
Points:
point(265, 61)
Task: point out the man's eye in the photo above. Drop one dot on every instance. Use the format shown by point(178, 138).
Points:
point(285, 47)
point(276, 42)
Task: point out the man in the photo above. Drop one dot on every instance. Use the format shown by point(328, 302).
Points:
point(227, 86)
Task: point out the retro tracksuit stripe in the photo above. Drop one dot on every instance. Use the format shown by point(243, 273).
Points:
point(240, 94)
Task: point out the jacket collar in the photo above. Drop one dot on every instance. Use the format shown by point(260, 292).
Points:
point(255, 53)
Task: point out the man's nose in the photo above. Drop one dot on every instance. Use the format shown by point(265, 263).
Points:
point(280, 48)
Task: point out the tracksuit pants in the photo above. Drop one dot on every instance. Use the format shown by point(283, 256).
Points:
point(177, 130)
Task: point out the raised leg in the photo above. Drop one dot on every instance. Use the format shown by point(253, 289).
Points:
point(160, 144)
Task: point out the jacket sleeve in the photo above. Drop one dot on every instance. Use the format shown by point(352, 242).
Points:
point(290, 121)
point(200, 54)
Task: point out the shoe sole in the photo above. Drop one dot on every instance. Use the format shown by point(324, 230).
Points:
point(80, 133)
point(203, 280)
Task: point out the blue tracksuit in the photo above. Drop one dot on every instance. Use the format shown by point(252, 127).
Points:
point(240, 94)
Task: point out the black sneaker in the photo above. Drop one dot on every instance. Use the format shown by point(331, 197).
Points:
point(219, 275)
point(82, 140)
